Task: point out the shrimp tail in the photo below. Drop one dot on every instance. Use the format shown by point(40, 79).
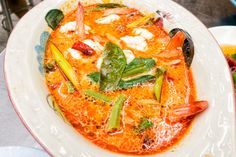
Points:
point(182, 112)
point(176, 41)
point(80, 28)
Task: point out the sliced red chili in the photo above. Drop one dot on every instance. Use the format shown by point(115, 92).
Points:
point(84, 48)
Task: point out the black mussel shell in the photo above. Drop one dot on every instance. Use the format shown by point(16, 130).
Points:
point(188, 46)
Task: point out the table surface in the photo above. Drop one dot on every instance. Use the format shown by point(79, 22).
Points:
point(13, 133)
point(211, 13)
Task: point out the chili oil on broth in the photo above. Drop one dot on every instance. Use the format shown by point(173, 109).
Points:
point(89, 117)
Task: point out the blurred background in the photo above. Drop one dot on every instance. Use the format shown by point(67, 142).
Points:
point(211, 13)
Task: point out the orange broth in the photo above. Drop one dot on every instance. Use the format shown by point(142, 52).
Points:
point(89, 116)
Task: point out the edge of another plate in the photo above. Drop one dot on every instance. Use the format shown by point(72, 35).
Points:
point(16, 151)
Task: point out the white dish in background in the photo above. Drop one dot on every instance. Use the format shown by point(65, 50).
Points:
point(21, 152)
point(213, 132)
point(225, 35)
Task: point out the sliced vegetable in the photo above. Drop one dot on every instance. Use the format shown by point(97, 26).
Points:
point(234, 77)
point(158, 84)
point(113, 65)
point(65, 66)
point(138, 65)
point(114, 119)
point(141, 21)
point(98, 96)
point(95, 77)
point(70, 87)
point(84, 48)
point(188, 46)
point(110, 5)
point(135, 82)
point(54, 17)
point(233, 56)
point(144, 125)
point(104, 6)
point(94, 9)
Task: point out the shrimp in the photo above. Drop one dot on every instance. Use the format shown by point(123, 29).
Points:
point(80, 29)
point(182, 112)
point(176, 41)
point(120, 11)
point(173, 48)
point(170, 54)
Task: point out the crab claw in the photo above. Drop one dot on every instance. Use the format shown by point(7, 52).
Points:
point(80, 29)
point(182, 112)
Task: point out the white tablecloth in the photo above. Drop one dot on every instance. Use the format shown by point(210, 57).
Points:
point(12, 131)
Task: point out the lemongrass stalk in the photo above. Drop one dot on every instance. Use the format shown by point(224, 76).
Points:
point(64, 66)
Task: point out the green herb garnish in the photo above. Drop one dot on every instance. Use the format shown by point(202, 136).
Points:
point(144, 125)
point(110, 5)
point(233, 56)
point(113, 65)
point(138, 65)
point(94, 77)
point(54, 17)
point(104, 6)
point(134, 82)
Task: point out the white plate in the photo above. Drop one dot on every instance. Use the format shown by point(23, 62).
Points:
point(213, 132)
point(225, 35)
point(21, 152)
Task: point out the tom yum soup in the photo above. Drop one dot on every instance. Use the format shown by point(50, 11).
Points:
point(119, 79)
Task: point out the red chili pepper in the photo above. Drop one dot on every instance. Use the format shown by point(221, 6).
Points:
point(84, 48)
